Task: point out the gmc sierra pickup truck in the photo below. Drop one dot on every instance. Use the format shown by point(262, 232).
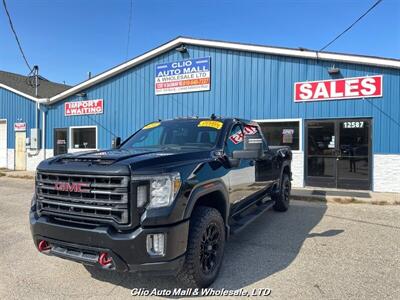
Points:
point(164, 200)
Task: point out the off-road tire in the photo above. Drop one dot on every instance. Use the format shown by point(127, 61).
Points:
point(282, 199)
point(192, 273)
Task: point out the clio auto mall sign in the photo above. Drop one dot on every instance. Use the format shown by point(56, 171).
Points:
point(344, 88)
point(190, 75)
point(86, 107)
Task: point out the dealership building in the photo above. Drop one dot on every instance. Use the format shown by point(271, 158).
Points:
point(340, 113)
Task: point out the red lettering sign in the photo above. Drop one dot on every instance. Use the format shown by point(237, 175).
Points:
point(87, 107)
point(346, 88)
point(21, 126)
point(237, 137)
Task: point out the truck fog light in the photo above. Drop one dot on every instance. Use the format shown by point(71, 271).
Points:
point(156, 244)
point(141, 195)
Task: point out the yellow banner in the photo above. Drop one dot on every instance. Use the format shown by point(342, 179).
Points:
point(152, 125)
point(212, 124)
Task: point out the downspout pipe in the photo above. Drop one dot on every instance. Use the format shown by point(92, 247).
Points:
point(36, 95)
point(44, 133)
point(36, 72)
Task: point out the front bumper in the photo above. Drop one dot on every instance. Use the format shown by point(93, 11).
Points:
point(127, 250)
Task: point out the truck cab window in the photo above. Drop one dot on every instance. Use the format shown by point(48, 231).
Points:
point(255, 133)
point(234, 140)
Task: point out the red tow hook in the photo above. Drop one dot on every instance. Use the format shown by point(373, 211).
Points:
point(104, 260)
point(43, 246)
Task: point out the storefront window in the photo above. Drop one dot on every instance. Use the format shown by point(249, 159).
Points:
point(282, 133)
point(83, 138)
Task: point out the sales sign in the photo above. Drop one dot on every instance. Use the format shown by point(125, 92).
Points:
point(346, 88)
point(191, 75)
point(87, 107)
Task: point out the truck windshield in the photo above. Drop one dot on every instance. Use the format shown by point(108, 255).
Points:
point(176, 134)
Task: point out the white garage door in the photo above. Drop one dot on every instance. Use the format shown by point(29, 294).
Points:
point(3, 144)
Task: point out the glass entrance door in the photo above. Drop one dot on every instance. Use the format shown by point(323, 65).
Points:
point(321, 154)
point(338, 153)
point(60, 141)
point(353, 162)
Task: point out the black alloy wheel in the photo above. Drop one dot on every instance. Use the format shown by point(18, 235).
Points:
point(205, 248)
point(209, 248)
point(282, 199)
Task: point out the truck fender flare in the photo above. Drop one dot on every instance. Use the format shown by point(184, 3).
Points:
point(285, 164)
point(204, 189)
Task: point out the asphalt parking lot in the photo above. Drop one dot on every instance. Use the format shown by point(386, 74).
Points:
point(313, 251)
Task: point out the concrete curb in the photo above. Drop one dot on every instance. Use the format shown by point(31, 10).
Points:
point(346, 200)
point(302, 195)
point(22, 175)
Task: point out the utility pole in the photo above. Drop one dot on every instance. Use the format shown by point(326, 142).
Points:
point(36, 72)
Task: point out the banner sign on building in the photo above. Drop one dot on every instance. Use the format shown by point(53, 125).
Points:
point(191, 75)
point(346, 88)
point(20, 126)
point(87, 107)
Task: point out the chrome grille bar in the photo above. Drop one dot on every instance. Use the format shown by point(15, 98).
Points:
point(84, 197)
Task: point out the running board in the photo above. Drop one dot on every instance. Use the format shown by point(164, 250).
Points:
point(259, 209)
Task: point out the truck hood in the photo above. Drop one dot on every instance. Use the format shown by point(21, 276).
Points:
point(120, 161)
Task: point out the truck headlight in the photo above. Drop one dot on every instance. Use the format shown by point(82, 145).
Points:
point(162, 189)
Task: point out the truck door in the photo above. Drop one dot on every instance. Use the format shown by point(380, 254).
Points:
point(241, 178)
point(267, 168)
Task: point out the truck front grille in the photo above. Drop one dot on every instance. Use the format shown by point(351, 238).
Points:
point(93, 198)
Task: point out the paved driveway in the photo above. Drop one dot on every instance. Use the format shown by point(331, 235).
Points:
point(313, 251)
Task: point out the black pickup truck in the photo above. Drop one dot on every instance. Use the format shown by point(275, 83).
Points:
point(164, 200)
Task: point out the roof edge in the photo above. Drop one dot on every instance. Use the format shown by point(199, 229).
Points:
point(118, 69)
point(34, 99)
point(311, 54)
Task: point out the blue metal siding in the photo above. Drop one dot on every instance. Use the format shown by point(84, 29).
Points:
point(16, 108)
point(243, 84)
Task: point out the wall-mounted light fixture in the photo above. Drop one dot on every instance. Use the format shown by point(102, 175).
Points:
point(333, 70)
point(182, 49)
point(81, 94)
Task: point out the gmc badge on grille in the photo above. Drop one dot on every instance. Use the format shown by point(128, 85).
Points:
point(70, 186)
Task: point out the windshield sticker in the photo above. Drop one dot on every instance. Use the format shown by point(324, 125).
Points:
point(152, 125)
point(212, 124)
point(237, 137)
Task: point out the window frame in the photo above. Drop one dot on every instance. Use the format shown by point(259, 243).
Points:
point(72, 149)
point(229, 132)
point(299, 120)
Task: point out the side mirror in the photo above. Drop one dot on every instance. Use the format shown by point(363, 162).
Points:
point(246, 154)
point(282, 153)
point(234, 162)
point(116, 142)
